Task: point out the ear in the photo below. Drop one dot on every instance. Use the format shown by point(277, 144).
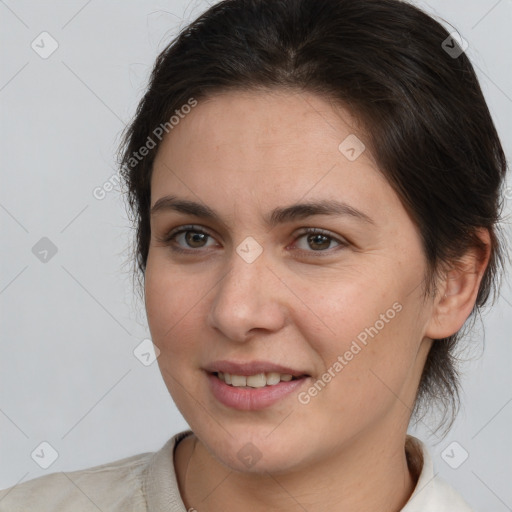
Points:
point(458, 290)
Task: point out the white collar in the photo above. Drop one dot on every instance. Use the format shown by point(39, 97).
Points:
point(432, 493)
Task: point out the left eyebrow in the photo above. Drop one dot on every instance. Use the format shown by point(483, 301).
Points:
point(301, 211)
point(277, 216)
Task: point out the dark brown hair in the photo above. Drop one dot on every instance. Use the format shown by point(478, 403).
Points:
point(408, 83)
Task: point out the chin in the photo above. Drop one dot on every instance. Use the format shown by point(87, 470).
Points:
point(253, 450)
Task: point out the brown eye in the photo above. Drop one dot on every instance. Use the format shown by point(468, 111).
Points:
point(195, 239)
point(187, 239)
point(319, 241)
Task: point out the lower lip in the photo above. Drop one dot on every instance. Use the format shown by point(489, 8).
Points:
point(251, 399)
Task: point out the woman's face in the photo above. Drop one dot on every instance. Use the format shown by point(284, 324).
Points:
point(254, 293)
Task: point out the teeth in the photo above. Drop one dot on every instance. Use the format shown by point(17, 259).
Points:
point(238, 380)
point(259, 380)
point(273, 378)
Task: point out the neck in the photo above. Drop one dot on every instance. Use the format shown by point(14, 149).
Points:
point(363, 474)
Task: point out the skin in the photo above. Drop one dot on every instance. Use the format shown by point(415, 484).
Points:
point(243, 154)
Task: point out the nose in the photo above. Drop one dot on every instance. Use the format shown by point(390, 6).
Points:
point(249, 298)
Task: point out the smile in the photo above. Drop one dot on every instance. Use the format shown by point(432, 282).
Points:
point(255, 390)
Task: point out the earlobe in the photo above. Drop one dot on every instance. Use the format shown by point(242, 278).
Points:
point(458, 291)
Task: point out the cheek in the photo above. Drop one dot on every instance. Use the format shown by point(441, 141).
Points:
point(356, 306)
point(170, 311)
point(367, 342)
point(171, 300)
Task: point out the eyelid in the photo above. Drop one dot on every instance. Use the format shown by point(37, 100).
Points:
point(186, 227)
point(168, 237)
point(320, 231)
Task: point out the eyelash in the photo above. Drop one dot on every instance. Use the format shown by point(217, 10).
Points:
point(170, 237)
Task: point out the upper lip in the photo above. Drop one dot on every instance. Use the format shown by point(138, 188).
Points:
point(251, 368)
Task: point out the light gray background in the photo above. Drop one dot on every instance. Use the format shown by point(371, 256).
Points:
point(69, 326)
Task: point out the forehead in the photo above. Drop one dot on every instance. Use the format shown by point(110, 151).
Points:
point(268, 120)
point(266, 146)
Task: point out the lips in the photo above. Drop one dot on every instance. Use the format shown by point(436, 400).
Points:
point(251, 386)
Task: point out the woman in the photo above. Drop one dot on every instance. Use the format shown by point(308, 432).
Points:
point(316, 188)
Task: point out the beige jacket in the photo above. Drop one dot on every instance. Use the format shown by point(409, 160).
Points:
point(147, 483)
